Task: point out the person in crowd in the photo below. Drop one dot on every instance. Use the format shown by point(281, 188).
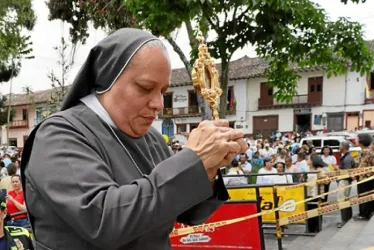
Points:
point(282, 156)
point(17, 164)
point(365, 160)
point(328, 157)
point(244, 164)
point(257, 163)
point(267, 169)
point(6, 160)
point(235, 180)
point(295, 151)
point(312, 150)
point(12, 238)
point(316, 164)
point(281, 178)
point(301, 163)
point(103, 175)
point(291, 168)
point(16, 203)
point(6, 182)
point(249, 153)
point(309, 143)
point(3, 170)
point(346, 162)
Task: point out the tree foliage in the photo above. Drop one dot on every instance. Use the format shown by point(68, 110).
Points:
point(15, 17)
point(59, 83)
point(109, 15)
point(286, 33)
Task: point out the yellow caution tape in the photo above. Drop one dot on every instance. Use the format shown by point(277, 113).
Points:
point(325, 209)
point(203, 227)
point(332, 176)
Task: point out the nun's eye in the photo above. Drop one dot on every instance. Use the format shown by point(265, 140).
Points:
point(144, 89)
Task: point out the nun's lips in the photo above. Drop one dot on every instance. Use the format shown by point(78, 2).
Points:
point(150, 118)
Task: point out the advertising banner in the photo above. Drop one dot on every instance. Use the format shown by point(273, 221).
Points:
point(286, 198)
point(241, 235)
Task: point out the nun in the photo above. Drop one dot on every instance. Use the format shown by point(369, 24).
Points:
point(97, 175)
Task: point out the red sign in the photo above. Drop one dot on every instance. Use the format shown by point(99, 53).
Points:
point(240, 235)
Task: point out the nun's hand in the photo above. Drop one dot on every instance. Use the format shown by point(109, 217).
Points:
point(216, 144)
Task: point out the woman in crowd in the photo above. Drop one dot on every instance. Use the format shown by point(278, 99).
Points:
point(314, 225)
point(16, 203)
point(328, 157)
point(267, 169)
point(257, 163)
point(281, 178)
point(235, 169)
point(6, 182)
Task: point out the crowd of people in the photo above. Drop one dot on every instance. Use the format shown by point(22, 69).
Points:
point(267, 163)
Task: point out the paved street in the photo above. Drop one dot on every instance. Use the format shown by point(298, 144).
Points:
point(296, 242)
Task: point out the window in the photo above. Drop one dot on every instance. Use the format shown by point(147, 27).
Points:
point(332, 143)
point(270, 92)
point(192, 99)
point(372, 80)
point(312, 88)
point(168, 100)
point(13, 142)
point(193, 126)
point(316, 143)
point(319, 87)
point(24, 114)
point(181, 128)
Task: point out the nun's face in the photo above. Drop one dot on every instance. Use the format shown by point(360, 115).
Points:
point(137, 96)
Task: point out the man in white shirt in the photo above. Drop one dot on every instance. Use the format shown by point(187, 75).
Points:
point(246, 166)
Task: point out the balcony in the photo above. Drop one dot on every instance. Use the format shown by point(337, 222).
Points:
point(296, 102)
point(19, 124)
point(192, 111)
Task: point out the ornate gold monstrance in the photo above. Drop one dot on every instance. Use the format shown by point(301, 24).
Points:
point(205, 77)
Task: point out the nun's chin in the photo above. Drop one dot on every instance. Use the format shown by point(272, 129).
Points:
point(137, 130)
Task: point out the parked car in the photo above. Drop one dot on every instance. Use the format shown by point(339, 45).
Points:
point(332, 141)
point(350, 136)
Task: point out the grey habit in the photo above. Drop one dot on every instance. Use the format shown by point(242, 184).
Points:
point(89, 186)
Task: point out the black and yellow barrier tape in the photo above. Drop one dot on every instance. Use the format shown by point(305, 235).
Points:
point(332, 176)
point(293, 218)
point(325, 209)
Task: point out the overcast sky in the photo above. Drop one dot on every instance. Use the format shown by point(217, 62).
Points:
point(47, 34)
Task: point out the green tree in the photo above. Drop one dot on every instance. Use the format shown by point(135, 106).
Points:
point(59, 83)
point(285, 33)
point(16, 16)
point(113, 15)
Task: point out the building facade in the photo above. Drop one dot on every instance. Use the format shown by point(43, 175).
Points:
point(28, 113)
point(338, 103)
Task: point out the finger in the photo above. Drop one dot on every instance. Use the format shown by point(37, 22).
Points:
point(221, 123)
point(227, 160)
point(232, 147)
point(232, 135)
point(243, 145)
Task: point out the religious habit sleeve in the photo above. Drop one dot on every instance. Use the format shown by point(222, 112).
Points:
point(202, 211)
point(72, 177)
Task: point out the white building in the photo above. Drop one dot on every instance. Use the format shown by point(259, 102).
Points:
point(337, 103)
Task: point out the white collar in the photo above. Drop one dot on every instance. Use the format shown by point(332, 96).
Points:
point(92, 102)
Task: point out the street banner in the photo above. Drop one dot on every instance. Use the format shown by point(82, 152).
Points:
point(242, 235)
point(287, 199)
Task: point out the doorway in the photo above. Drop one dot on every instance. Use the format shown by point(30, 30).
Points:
point(303, 122)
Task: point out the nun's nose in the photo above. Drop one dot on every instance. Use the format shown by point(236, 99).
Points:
point(157, 103)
